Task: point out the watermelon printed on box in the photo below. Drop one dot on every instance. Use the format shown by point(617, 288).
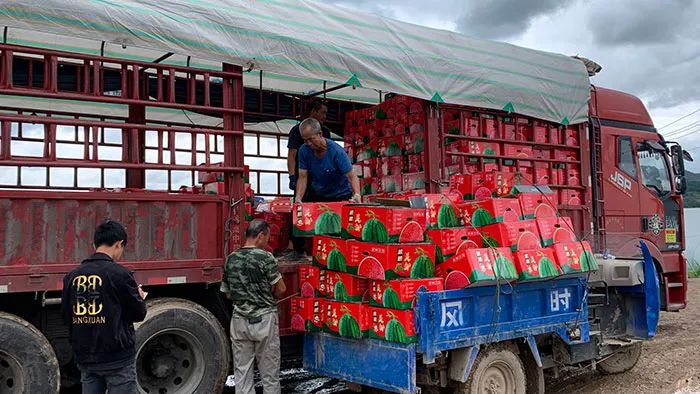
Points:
point(392, 261)
point(366, 152)
point(345, 287)
point(556, 230)
point(310, 280)
point(390, 146)
point(370, 186)
point(414, 143)
point(414, 181)
point(391, 325)
point(536, 201)
point(375, 223)
point(390, 166)
point(449, 241)
point(346, 319)
point(441, 211)
point(478, 266)
point(471, 186)
point(502, 183)
point(400, 294)
point(575, 257)
point(329, 252)
point(483, 148)
point(391, 183)
point(522, 235)
point(536, 264)
point(494, 210)
point(317, 218)
point(307, 314)
point(414, 163)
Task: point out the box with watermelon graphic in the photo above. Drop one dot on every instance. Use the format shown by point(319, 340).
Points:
point(345, 287)
point(307, 314)
point(391, 183)
point(441, 211)
point(347, 319)
point(522, 235)
point(390, 165)
point(414, 163)
point(400, 294)
point(317, 218)
point(370, 185)
point(575, 257)
point(391, 261)
point(478, 266)
point(483, 148)
point(502, 184)
point(414, 181)
point(376, 223)
point(556, 230)
point(450, 241)
point(536, 264)
point(391, 325)
point(414, 143)
point(536, 201)
point(471, 186)
point(494, 210)
point(329, 252)
point(311, 281)
point(390, 146)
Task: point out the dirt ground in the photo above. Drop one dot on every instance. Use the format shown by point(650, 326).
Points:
point(670, 363)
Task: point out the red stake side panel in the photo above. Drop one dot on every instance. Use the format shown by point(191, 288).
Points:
point(172, 238)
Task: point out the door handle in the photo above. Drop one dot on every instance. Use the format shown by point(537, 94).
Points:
point(645, 225)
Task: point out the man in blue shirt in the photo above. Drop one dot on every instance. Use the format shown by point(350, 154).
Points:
point(324, 167)
point(294, 143)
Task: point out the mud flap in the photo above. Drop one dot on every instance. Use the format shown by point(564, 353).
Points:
point(651, 294)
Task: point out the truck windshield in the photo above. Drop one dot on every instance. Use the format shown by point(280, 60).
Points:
point(654, 169)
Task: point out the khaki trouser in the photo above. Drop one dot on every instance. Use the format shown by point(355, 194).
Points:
point(256, 342)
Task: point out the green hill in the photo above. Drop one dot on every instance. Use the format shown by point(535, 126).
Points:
point(691, 199)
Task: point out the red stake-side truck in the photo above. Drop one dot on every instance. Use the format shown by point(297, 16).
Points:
point(178, 241)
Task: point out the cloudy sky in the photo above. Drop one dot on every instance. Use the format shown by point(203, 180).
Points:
point(647, 47)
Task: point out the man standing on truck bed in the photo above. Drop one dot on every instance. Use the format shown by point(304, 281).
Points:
point(324, 167)
point(251, 276)
point(100, 303)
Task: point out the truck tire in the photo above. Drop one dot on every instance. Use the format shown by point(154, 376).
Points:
point(181, 348)
point(28, 363)
point(498, 370)
point(534, 375)
point(622, 360)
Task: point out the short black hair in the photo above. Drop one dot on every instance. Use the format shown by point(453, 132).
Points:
point(317, 104)
point(257, 227)
point(109, 233)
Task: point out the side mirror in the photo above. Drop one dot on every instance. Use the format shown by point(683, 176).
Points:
point(677, 155)
point(681, 184)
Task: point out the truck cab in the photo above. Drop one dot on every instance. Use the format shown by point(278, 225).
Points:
point(638, 189)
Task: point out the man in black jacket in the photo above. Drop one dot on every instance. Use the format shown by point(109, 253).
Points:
point(101, 301)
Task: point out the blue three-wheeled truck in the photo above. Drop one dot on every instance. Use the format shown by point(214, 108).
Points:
point(502, 338)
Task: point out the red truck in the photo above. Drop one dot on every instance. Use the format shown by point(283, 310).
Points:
point(620, 182)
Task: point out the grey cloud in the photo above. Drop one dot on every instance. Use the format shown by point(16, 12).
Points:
point(505, 18)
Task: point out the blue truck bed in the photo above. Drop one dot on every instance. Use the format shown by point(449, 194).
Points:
point(455, 319)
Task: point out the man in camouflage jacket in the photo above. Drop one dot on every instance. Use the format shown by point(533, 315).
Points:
point(252, 281)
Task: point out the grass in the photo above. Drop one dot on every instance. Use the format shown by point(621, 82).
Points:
point(693, 269)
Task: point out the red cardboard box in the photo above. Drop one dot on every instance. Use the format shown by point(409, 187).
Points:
point(281, 205)
point(390, 146)
point(309, 281)
point(414, 163)
point(390, 261)
point(391, 183)
point(370, 185)
point(556, 230)
point(508, 129)
point(365, 151)
point(345, 287)
point(479, 265)
point(537, 201)
point(536, 264)
point(346, 319)
point(575, 257)
point(542, 175)
point(489, 126)
point(317, 218)
point(414, 143)
point(517, 150)
point(471, 186)
point(330, 253)
point(571, 137)
point(494, 210)
point(390, 166)
point(375, 223)
point(400, 294)
point(522, 235)
point(212, 176)
point(414, 181)
point(214, 188)
point(540, 132)
point(571, 197)
point(566, 155)
point(391, 325)
point(306, 314)
point(483, 148)
point(501, 183)
point(441, 211)
point(449, 241)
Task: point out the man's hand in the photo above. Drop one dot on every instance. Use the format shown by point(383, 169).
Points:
point(356, 198)
point(292, 182)
point(142, 293)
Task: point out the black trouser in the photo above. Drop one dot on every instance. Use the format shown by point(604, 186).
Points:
point(300, 242)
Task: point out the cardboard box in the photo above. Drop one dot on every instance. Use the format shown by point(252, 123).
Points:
point(400, 294)
point(370, 185)
point(346, 287)
point(307, 314)
point(414, 181)
point(210, 176)
point(570, 197)
point(390, 166)
point(391, 261)
point(346, 319)
point(471, 186)
point(414, 143)
point(483, 148)
point(214, 188)
point(522, 235)
point(281, 205)
point(494, 210)
point(375, 223)
point(441, 211)
point(449, 241)
point(480, 266)
point(574, 257)
point(556, 230)
point(391, 325)
point(310, 281)
point(536, 264)
point(317, 218)
point(489, 126)
point(330, 253)
point(537, 201)
point(390, 146)
point(414, 163)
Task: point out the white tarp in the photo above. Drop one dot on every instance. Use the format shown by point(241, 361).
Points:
point(300, 44)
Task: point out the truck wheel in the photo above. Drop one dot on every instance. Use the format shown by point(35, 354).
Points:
point(622, 360)
point(497, 370)
point(28, 363)
point(533, 374)
point(181, 348)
